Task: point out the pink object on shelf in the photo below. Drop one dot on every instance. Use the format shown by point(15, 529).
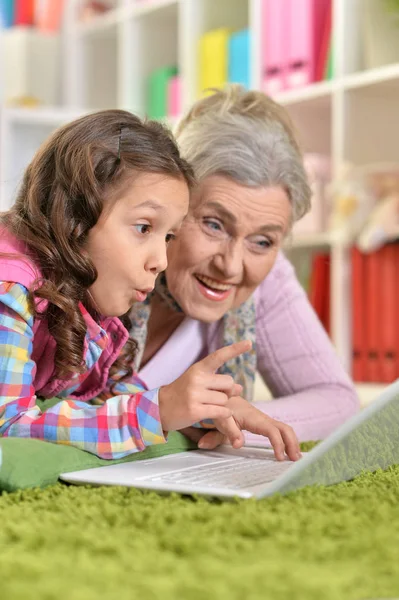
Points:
point(274, 25)
point(305, 27)
point(174, 96)
point(49, 15)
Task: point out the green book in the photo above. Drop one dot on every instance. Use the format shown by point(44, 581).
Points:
point(329, 71)
point(157, 102)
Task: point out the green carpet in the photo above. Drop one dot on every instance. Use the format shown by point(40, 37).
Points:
point(71, 543)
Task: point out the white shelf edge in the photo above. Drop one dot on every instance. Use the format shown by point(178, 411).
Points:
point(323, 89)
point(145, 8)
point(42, 115)
point(371, 76)
point(311, 240)
point(115, 16)
point(314, 91)
point(101, 23)
point(331, 239)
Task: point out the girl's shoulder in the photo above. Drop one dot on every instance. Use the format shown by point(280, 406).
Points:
point(16, 264)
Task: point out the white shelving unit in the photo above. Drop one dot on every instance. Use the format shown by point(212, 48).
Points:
point(106, 63)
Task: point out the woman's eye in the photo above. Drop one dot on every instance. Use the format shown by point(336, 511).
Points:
point(211, 224)
point(264, 243)
point(143, 228)
point(170, 237)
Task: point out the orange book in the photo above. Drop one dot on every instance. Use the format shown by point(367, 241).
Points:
point(358, 315)
point(24, 12)
point(389, 319)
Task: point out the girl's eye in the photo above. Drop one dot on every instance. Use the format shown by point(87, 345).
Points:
point(143, 228)
point(170, 237)
point(212, 224)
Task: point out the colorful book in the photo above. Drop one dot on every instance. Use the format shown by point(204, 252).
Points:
point(174, 96)
point(274, 19)
point(306, 26)
point(7, 13)
point(239, 58)
point(319, 289)
point(49, 15)
point(374, 315)
point(158, 92)
point(213, 59)
point(359, 315)
point(323, 54)
point(329, 72)
point(24, 12)
point(389, 329)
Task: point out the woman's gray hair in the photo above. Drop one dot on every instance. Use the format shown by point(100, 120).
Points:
point(248, 137)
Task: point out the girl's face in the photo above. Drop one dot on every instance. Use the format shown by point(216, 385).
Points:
point(227, 246)
point(128, 244)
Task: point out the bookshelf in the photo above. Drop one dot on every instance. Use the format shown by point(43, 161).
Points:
point(106, 63)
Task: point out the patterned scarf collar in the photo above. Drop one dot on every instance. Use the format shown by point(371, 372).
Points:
point(238, 324)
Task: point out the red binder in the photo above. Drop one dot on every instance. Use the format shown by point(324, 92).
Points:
point(374, 316)
point(319, 289)
point(389, 319)
point(327, 308)
point(358, 315)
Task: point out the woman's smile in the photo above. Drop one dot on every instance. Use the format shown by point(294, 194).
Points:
point(213, 289)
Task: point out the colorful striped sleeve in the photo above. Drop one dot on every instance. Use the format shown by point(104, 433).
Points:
point(124, 424)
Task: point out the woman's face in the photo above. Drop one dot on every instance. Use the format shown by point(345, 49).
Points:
point(226, 246)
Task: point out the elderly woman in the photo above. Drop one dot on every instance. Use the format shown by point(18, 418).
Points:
point(227, 277)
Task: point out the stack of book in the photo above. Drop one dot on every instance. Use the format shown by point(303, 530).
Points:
point(375, 317)
point(164, 93)
point(224, 57)
point(296, 43)
point(30, 47)
point(45, 15)
point(313, 272)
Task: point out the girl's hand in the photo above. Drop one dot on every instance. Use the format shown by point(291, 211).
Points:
point(201, 394)
point(248, 417)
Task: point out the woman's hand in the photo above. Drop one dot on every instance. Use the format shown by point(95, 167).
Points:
point(201, 394)
point(247, 417)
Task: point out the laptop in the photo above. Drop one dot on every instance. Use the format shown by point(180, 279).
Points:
point(366, 442)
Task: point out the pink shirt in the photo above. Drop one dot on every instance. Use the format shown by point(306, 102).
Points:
point(295, 357)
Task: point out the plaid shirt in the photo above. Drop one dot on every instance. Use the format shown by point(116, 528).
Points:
point(110, 426)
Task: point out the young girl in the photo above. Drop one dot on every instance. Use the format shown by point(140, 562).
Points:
point(86, 239)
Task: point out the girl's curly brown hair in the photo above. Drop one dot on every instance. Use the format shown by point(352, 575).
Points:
point(63, 193)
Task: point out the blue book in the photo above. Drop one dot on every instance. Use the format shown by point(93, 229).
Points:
point(239, 58)
point(7, 13)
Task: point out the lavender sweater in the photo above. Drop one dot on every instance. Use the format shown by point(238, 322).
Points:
point(295, 357)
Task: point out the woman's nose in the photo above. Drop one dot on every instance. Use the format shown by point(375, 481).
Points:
point(230, 260)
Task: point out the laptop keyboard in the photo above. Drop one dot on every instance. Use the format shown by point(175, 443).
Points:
point(237, 473)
